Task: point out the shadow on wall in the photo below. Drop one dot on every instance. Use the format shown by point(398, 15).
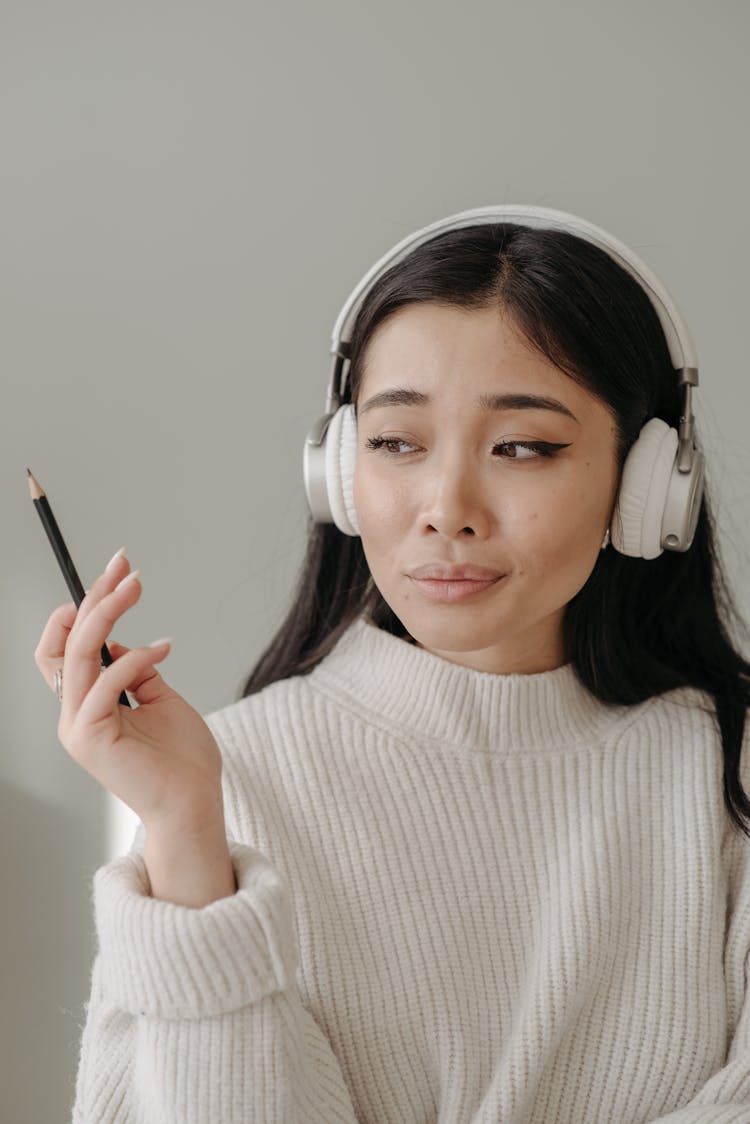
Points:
point(47, 943)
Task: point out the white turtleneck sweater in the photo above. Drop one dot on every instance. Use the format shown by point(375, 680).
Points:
point(463, 898)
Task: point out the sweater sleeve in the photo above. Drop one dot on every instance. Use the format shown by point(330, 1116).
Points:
point(725, 1097)
point(194, 1014)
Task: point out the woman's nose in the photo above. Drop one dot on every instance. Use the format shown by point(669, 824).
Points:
point(454, 502)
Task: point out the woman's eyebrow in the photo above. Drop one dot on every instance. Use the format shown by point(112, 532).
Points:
point(404, 396)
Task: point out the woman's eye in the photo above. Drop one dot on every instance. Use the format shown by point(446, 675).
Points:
point(385, 443)
point(534, 449)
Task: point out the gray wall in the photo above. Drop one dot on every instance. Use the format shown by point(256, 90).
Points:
point(189, 192)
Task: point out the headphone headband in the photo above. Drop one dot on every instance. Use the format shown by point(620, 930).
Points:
point(679, 342)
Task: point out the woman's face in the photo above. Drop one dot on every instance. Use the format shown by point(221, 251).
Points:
point(446, 489)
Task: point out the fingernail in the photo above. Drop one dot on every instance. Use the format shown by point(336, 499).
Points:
point(160, 643)
point(115, 557)
point(131, 577)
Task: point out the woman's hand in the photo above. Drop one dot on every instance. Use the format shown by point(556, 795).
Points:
point(160, 758)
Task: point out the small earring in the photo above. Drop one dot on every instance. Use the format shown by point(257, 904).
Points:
point(606, 540)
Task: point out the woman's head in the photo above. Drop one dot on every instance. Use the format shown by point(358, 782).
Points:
point(500, 310)
point(495, 309)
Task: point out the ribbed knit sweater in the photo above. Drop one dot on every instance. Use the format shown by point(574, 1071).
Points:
point(464, 898)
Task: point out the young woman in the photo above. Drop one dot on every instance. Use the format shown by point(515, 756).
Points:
point(473, 845)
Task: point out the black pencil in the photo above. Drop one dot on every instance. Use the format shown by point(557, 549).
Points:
point(57, 542)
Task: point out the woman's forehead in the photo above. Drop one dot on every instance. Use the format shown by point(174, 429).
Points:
point(425, 352)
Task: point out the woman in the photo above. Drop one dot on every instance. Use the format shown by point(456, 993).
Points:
point(472, 845)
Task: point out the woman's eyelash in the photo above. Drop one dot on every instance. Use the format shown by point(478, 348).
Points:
point(542, 448)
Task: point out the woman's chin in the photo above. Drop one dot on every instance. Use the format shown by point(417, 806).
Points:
point(449, 636)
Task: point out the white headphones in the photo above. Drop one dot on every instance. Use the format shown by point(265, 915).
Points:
point(661, 487)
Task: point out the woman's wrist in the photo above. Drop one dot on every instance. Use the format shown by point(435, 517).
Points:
point(191, 868)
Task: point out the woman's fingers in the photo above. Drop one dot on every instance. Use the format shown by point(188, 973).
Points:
point(50, 650)
point(83, 650)
point(133, 671)
point(74, 638)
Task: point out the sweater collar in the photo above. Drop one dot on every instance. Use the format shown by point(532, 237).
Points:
point(428, 696)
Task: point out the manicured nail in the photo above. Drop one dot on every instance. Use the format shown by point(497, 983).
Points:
point(160, 643)
point(115, 557)
point(131, 577)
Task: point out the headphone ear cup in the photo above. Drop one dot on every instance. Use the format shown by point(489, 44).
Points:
point(341, 456)
point(639, 511)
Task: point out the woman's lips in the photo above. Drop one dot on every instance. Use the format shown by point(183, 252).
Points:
point(455, 590)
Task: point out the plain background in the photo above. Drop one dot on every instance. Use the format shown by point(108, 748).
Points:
point(189, 194)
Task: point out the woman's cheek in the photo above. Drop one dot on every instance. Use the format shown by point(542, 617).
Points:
point(376, 500)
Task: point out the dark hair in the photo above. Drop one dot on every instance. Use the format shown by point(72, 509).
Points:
point(638, 627)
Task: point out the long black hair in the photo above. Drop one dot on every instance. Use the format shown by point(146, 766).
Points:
point(638, 627)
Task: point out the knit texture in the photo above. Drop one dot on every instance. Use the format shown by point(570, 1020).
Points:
point(463, 898)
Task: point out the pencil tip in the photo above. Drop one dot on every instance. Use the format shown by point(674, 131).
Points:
point(35, 487)
point(28, 472)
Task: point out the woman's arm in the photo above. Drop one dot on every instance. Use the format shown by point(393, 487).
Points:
point(194, 1012)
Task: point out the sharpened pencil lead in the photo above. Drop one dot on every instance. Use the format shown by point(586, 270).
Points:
point(35, 488)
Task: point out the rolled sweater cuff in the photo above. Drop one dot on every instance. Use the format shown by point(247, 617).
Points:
point(172, 961)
